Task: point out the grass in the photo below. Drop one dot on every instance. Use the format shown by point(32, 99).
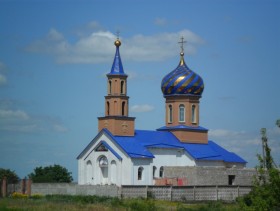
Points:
point(99, 203)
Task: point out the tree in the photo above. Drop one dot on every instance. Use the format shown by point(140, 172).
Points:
point(50, 174)
point(265, 194)
point(11, 176)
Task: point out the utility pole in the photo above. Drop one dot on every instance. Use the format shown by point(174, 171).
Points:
point(264, 142)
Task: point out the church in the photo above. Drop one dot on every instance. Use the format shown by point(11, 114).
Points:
point(122, 155)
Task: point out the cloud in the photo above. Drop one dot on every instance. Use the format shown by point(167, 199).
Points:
point(247, 144)
point(20, 121)
point(160, 22)
point(141, 108)
point(3, 79)
point(98, 46)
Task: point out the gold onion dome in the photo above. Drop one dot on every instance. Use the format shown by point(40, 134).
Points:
point(182, 81)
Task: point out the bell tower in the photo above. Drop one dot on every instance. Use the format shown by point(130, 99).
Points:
point(116, 118)
point(182, 88)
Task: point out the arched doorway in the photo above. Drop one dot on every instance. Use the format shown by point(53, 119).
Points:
point(114, 172)
point(103, 164)
point(89, 172)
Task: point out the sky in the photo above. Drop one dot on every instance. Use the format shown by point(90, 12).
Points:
point(54, 57)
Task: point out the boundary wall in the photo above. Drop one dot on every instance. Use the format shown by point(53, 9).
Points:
point(170, 193)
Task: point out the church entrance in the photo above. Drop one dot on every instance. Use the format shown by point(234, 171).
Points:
point(103, 164)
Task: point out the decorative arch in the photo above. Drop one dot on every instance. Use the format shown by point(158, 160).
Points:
point(123, 108)
point(193, 114)
point(182, 113)
point(89, 172)
point(110, 87)
point(122, 87)
point(170, 114)
point(161, 172)
point(140, 173)
point(114, 172)
point(108, 108)
point(154, 171)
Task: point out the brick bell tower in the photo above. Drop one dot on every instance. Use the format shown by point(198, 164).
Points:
point(116, 118)
point(182, 88)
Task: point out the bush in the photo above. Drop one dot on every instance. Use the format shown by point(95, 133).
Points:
point(17, 195)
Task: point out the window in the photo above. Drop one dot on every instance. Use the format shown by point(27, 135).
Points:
point(161, 172)
point(140, 173)
point(154, 171)
point(108, 108)
point(231, 179)
point(170, 114)
point(122, 87)
point(123, 108)
point(110, 87)
point(181, 113)
point(193, 114)
point(103, 162)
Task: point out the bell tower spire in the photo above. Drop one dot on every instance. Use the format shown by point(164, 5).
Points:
point(116, 118)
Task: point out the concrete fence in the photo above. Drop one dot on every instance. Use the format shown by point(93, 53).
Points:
point(171, 193)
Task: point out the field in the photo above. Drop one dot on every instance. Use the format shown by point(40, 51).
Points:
point(69, 203)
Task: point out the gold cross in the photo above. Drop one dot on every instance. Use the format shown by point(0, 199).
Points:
point(182, 44)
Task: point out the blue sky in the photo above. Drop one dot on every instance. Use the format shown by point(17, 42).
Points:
point(54, 56)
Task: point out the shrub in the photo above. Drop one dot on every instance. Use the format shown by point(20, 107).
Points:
point(17, 195)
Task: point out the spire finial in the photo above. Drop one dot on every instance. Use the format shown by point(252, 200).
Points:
point(182, 44)
point(182, 62)
point(118, 42)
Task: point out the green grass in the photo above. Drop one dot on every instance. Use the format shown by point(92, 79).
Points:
point(98, 203)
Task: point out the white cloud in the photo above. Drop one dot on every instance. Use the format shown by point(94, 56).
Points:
point(3, 80)
point(247, 144)
point(160, 21)
point(12, 115)
point(59, 128)
point(141, 108)
point(98, 46)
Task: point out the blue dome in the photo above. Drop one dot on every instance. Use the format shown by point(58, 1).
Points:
point(182, 81)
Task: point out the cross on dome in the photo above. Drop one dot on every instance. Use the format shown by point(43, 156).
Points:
point(182, 44)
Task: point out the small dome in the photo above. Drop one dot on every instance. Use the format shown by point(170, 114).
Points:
point(182, 81)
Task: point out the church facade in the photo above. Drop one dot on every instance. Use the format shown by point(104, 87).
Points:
point(122, 155)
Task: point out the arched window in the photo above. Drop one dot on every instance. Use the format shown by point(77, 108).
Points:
point(103, 162)
point(161, 172)
point(123, 108)
point(154, 171)
point(122, 87)
point(140, 173)
point(110, 87)
point(108, 108)
point(170, 114)
point(181, 113)
point(193, 114)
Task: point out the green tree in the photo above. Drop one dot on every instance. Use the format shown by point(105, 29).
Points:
point(52, 174)
point(265, 194)
point(11, 176)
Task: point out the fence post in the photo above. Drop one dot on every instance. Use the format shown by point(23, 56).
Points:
point(217, 193)
point(23, 183)
point(4, 187)
point(171, 190)
point(238, 191)
point(146, 191)
point(194, 193)
point(28, 189)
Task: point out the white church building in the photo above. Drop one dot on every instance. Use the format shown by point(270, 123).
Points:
point(122, 155)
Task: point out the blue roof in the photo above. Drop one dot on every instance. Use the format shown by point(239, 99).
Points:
point(117, 67)
point(183, 127)
point(139, 145)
